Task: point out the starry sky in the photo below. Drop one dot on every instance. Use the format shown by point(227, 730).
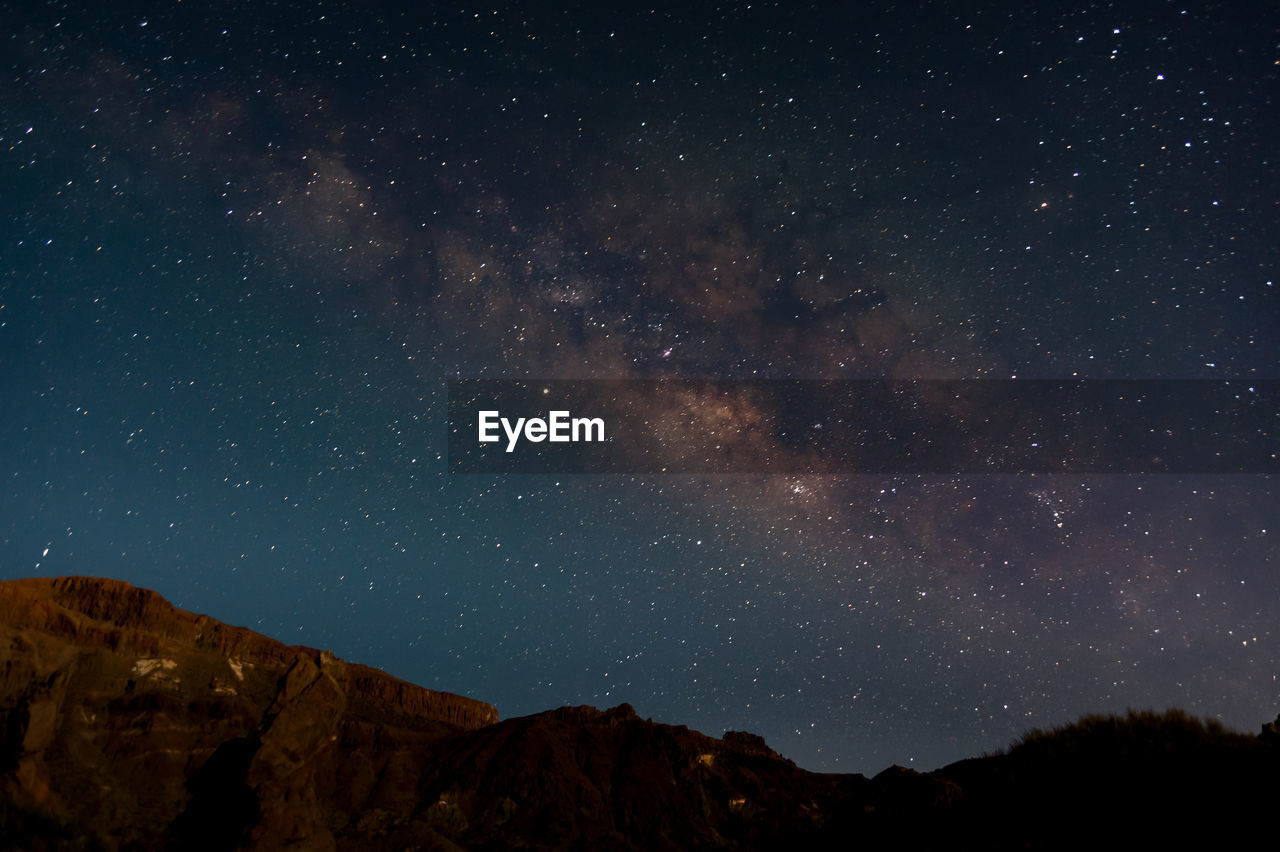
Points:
point(244, 248)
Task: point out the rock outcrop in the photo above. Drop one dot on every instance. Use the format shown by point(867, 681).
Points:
point(138, 723)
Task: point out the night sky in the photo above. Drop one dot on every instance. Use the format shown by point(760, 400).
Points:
point(245, 246)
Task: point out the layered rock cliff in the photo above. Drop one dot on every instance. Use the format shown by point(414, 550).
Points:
point(148, 724)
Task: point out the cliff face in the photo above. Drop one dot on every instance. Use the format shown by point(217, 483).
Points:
point(128, 723)
point(142, 722)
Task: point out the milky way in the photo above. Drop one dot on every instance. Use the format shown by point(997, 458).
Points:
point(245, 249)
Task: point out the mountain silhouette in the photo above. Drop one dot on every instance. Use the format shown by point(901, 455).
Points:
point(127, 723)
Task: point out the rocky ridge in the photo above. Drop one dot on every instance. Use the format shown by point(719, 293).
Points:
point(131, 724)
point(127, 723)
